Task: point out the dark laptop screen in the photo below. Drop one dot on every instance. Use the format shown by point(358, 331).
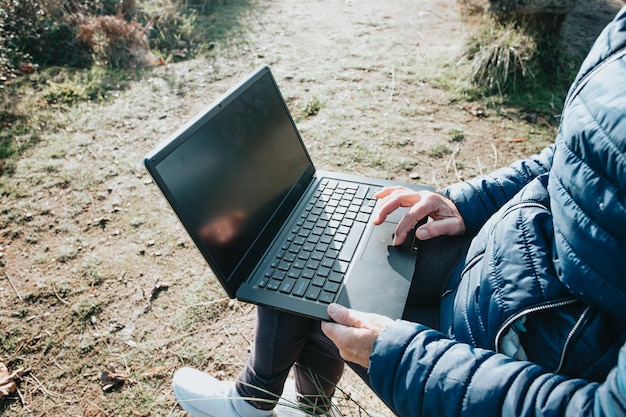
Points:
point(233, 170)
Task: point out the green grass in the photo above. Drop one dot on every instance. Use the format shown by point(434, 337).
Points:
point(456, 135)
point(86, 307)
point(439, 151)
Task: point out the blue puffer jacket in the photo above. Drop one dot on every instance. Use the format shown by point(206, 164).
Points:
point(546, 272)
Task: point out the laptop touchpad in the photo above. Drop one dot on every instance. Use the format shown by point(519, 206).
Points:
point(380, 250)
point(379, 282)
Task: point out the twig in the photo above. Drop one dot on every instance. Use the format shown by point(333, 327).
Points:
point(495, 156)
point(54, 290)
point(245, 337)
point(393, 84)
point(93, 154)
point(96, 407)
point(456, 171)
point(435, 180)
point(480, 167)
point(19, 394)
point(42, 388)
point(448, 162)
point(161, 343)
point(93, 203)
point(228, 335)
point(14, 289)
point(16, 352)
point(174, 407)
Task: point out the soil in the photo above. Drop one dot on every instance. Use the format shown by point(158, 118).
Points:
point(100, 280)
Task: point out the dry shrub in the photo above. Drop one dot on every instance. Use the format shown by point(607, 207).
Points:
point(473, 7)
point(501, 56)
point(115, 42)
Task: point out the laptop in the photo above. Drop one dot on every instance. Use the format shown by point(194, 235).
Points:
point(275, 231)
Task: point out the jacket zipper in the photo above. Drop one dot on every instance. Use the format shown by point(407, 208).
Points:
point(579, 86)
point(571, 335)
point(555, 304)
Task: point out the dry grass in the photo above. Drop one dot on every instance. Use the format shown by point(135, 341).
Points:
point(116, 42)
point(502, 57)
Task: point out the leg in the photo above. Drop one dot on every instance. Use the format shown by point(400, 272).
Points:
point(281, 341)
point(318, 371)
point(278, 341)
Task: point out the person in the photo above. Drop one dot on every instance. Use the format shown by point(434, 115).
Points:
point(532, 316)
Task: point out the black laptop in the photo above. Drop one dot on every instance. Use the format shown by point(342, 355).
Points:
point(275, 231)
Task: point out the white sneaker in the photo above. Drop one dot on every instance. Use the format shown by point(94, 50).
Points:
point(201, 395)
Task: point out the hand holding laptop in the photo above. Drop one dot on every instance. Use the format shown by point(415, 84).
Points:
point(354, 332)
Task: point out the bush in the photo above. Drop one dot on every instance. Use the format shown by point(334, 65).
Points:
point(57, 45)
point(70, 33)
point(501, 56)
point(18, 28)
point(511, 54)
point(115, 42)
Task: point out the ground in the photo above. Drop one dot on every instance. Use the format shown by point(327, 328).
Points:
point(98, 275)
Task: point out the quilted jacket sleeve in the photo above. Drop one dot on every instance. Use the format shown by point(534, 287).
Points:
point(477, 199)
point(419, 372)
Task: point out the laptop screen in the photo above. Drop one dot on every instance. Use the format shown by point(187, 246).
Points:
point(228, 177)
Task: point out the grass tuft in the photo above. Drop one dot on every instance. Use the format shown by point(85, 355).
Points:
point(501, 56)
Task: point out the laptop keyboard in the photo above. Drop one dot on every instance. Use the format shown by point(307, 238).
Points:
point(314, 258)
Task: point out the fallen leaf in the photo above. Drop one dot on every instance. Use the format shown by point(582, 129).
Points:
point(7, 380)
point(156, 371)
point(543, 121)
point(26, 67)
point(110, 378)
point(158, 287)
point(477, 111)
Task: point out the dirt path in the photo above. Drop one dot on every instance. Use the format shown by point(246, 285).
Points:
point(97, 270)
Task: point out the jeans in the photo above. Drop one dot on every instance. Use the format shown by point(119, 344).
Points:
point(283, 340)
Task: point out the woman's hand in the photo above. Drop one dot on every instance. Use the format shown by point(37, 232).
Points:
point(354, 332)
point(446, 217)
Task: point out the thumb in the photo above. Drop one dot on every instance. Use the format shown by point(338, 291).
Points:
point(450, 226)
point(343, 315)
